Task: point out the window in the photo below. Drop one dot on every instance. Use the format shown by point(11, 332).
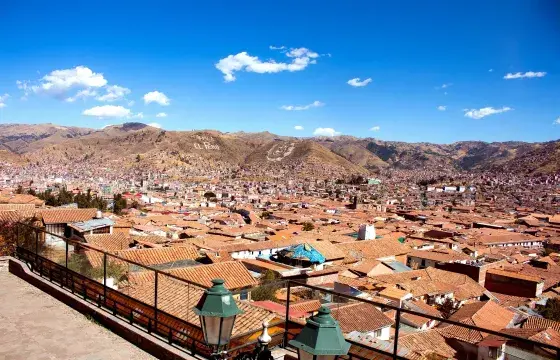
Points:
point(377, 333)
point(423, 262)
point(244, 295)
point(494, 353)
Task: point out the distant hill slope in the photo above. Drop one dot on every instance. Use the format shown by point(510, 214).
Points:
point(134, 144)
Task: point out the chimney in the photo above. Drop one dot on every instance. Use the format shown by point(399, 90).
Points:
point(98, 214)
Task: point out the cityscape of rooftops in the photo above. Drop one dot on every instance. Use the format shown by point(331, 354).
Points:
point(294, 180)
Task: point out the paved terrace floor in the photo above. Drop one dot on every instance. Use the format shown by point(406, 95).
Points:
point(33, 325)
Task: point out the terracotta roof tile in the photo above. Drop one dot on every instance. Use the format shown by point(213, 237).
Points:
point(360, 317)
point(234, 272)
point(65, 216)
point(156, 256)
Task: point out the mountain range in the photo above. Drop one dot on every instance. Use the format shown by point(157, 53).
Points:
point(134, 144)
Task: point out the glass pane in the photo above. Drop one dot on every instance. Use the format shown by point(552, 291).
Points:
point(227, 328)
point(305, 355)
point(212, 329)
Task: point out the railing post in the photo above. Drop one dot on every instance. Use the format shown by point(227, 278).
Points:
point(397, 326)
point(36, 245)
point(155, 302)
point(17, 235)
point(287, 315)
point(104, 278)
point(66, 255)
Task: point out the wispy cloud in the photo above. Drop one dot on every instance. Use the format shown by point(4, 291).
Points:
point(156, 97)
point(154, 124)
point(442, 108)
point(356, 82)
point(325, 132)
point(557, 121)
point(444, 86)
point(298, 127)
point(314, 104)
point(161, 115)
point(490, 70)
point(375, 128)
point(526, 75)
point(480, 113)
point(3, 99)
point(271, 47)
point(113, 93)
point(301, 58)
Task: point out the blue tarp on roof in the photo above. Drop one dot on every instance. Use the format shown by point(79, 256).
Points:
point(304, 252)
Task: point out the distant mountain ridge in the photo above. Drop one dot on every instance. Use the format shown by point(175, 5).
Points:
point(136, 142)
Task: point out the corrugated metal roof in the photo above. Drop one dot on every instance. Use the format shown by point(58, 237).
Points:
point(92, 224)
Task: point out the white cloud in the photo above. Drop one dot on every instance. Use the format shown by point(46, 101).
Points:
point(276, 47)
point(82, 94)
point(557, 121)
point(491, 70)
point(375, 128)
point(528, 74)
point(314, 104)
point(325, 132)
point(3, 99)
point(139, 115)
point(108, 111)
point(114, 93)
point(157, 97)
point(161, 115)
point(480, 113)
point(298, 127)
point(156, 125)
point(24, 85)
point(357, 83)
point(444, 86)
point(58, 82)
point(442, 108)
point(301, 58)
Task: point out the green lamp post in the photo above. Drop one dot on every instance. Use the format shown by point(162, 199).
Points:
point(217, 311)
point(321, 338)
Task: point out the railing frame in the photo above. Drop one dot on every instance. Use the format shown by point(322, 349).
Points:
point(68, 274)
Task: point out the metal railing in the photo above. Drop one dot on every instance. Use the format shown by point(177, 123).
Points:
point(154, 311)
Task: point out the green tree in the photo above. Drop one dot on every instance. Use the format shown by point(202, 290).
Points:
point(119, 204)
point(551, 310)
point(308, 226)
point(19, 189)
point(267, 287)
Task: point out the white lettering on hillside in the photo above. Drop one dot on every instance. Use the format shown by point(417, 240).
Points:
point(279, 151)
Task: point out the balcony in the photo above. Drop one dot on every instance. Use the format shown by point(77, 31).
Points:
point(159, 305)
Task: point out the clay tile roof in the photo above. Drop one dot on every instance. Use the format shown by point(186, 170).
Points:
point(109, 242)
point(154, 239)
point(427, 342)
point(439, 255)
point(487, 315)
point(234, 272)
point(536, 322)
point(178, 299)
point(374, 249)
point(156, 256)
point(515, 275)
point(65, 216)
point(28, 207)
point(308, 306)
point(360, 317)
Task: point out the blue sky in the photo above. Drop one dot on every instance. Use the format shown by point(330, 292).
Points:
point(288, 64)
